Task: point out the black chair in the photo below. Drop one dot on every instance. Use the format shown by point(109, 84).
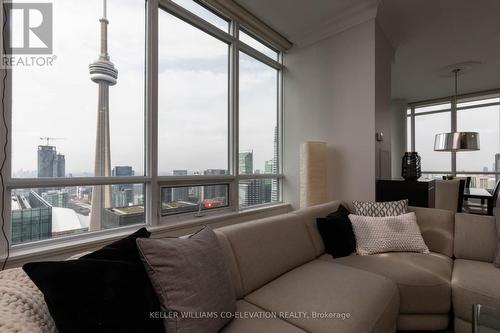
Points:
point(482, 208)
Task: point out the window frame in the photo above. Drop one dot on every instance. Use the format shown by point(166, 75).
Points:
point(482, 95)
point(152, 181)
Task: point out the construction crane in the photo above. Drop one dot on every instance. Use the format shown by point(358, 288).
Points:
point(47, 138)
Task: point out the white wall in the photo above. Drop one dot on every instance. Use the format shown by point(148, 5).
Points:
point(384, 57)
point(330, 96)
point(398, 137)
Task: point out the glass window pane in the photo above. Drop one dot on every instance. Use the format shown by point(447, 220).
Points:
point(478, 102)
point(426, 127)
point(59, 119)
point(435, 107)
point(185, 199)
point(408, 134)
point(258, 117)
point(193, 99)
point(203, 12)
point(484, 120)
point(254, 192)
point(44, 213)
point(481, 181)
point(258, 45)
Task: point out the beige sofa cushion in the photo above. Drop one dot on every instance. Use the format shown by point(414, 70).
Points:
point(474, 282)
point(266, 248)
point(423, 279)
point(475, 237)
point(323, 287)
point(437, 228)
point(309, 216)
point(262, 321)
point(423, 322)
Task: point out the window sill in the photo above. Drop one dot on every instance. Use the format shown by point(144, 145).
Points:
point(60, 249)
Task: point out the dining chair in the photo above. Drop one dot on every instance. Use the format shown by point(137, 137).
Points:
point(482, 208)
point(449, 194)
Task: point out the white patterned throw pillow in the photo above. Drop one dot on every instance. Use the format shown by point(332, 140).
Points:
point(387, 208)
point(387, 234)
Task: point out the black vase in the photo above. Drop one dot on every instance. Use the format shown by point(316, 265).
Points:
point(410, 169)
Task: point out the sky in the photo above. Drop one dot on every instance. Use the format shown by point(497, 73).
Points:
point(61, 101)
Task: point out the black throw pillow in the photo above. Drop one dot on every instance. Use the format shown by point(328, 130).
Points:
point(105, 291)
point(337, 233)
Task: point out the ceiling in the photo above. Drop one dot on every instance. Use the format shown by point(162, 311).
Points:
point(427, 35)
point(304, 22)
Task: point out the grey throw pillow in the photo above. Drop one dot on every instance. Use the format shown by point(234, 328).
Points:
point(497, 218)
point(380, 209)
point(191, 280)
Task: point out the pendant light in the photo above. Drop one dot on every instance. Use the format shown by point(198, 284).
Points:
point(456, 141)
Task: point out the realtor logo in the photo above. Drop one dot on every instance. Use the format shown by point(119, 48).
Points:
point(30, 28)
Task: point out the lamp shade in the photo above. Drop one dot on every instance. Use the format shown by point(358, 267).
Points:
point(313, 173)
point(456, 141)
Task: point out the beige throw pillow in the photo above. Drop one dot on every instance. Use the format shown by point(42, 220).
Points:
point(191, 280)
point(387, 234)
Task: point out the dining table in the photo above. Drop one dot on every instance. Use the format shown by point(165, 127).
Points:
point(480, 193)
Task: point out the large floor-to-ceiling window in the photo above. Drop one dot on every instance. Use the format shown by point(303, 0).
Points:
point(189, 126)
point(474, 113)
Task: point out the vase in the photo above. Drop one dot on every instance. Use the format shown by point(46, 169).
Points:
point(410, 169)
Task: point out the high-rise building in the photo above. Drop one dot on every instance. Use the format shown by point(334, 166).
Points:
point(122, 195)
point(31, 217)
point(122, 171)
point(275, 195)
point(180, 193)
point(250, 192)
point(50, 163)
point(246, 163)
point(104, 73)
point(497, 166)
point(214, 191)
point(56, 198)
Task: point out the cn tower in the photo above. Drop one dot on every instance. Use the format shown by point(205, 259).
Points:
point(104, 73)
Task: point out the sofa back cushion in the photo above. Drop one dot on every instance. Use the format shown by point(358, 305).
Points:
point(265, 249)
point(309, 215)
point(437, 228)
point(475, 237)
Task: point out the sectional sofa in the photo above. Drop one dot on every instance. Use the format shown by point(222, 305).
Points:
point(285, 283)
point(278, 264)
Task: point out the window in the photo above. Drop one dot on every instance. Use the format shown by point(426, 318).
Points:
point(484, 120)
point(166, 145)
point(474, 113)
point(55, 128)
point(427, 126)
point(248, 39)
point(54, 131)
point(183, 199)
point(193, 82)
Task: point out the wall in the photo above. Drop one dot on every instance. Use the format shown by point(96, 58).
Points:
point(329, 95)
point(398, 136)
point(384, 57)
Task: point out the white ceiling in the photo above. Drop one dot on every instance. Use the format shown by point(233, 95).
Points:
point(427, 34)
point(430, 35)
point(304, 22)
